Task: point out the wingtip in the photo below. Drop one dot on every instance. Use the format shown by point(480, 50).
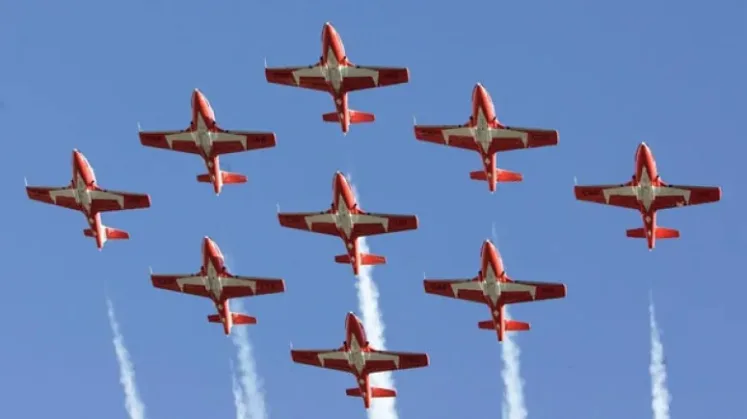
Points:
point(414, 121)
point(277, 207)
point(139, 128)
point(25, 182)
point(150, 270)
point(575, 181)
point(265, 62)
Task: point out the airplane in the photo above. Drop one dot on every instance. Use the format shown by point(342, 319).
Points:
point(207, 139)
point(486, 135)
point(493, 287)
point(337, 75)
point(357, 357)
point(84, 195)
point(347, 220)
point(648, 193)
point(214, 281)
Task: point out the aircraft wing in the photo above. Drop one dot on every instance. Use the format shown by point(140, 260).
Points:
point(228, 141)
point(503, 139)
point(460, 289)
point(513, 292)
point(187, 283)
point(247, 286)
point(516, 138)
point(672, 196)
point(103, 200)
point(621, 195)
point(372, 224)
point(379, 361)
point(307, 77)
point(182, 140)
point(61, 196)
point(332, 359)
point(357, 77)
point(318, 222)
point(459, 136)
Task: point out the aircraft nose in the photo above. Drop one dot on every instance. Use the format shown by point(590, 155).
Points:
point(339, 179)
point(350, 320)
point(643, 150)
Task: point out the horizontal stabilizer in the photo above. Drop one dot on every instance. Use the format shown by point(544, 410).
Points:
point(356, 117)
point(510, 325)
point(111, 233)
point(502, 176)
point(366, 259)
point(236, 318)
point(376, 392)
point(228, 178)
point(659, 233)
point(517, 326)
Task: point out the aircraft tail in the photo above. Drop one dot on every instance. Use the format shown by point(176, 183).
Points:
point(236, 318)
point(356, 117)
point(111, 233)
point(366, 259)
point(502, 176)
point(376, 392)
point(659, 233)
point(228, 178)
point(509, 325)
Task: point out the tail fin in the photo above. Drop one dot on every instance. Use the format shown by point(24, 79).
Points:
point(236, 318)
point(659, 233)
point(376, 392)
point(228, 178)
point(111, 233)
point(366, 259)
point(356, 117)
point(502, 176)
point(510, 325)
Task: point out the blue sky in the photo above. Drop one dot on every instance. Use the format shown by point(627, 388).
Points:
point(605, 75)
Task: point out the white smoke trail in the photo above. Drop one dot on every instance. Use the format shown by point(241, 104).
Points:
point(368, 300)
point(660, 397)
point(238, 395)
point(513, 396)
point(253, 402)
point(133, 404)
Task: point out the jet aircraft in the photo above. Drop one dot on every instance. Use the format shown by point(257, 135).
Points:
point(357, 357)
point(494, 288)
point(484, 134)
point(348, 221)
point(336, 74)
point(647, 193)
point(204, 137)
point(214, 281)
point(84, 195)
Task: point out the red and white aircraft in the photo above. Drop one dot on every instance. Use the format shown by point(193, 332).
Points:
point(84, 195)
point(215, 282)
point(336, 74)
point(348, 221)
point(494, 288)
point(648, 193)
point(486, 135)
point(205, 138)
point(355, 356)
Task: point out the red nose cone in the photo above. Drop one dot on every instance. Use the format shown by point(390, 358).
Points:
point(487, 248)
point(350, 320)
point(643, 152)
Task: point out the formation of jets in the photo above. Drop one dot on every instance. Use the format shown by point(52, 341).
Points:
point(337, 75)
